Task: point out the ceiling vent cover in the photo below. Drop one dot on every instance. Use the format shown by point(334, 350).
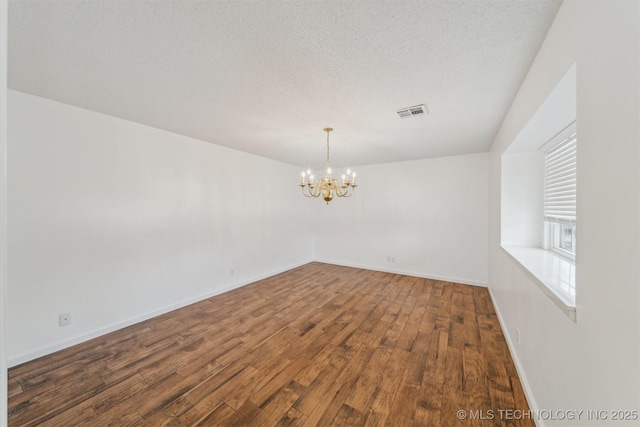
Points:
point(415, 111)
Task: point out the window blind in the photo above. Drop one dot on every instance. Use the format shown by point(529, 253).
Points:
point(560, 182)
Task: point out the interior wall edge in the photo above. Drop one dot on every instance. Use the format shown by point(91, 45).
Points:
point(463, 281)
point(4, 7)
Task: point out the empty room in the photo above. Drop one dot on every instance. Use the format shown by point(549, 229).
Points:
point(320, 213)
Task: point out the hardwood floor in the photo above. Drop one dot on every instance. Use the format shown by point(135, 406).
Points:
point(318, 345)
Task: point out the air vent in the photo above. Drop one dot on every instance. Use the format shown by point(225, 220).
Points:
point(415, 111)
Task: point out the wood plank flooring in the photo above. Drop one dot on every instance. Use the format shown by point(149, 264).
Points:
point(320, 345)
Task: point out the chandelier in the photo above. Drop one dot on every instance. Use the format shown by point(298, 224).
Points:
point(328, 186)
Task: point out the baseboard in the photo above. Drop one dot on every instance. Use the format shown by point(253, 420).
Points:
point(405, 272)
point(43, 351)
point(533, 406)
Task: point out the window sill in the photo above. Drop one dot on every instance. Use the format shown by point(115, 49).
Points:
point(554, 275)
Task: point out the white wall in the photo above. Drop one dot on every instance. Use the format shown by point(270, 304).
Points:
point(522, 194)
point(594, 362)
point(114, 222)
point(3, 210)
point(430, 215)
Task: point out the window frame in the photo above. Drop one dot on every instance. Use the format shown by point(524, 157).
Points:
point(555, 221)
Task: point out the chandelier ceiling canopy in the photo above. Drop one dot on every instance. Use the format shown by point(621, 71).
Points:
point(328, 186)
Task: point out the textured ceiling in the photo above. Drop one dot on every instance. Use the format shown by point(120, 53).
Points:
point(266, 76)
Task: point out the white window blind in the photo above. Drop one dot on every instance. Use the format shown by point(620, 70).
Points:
point(560, 182)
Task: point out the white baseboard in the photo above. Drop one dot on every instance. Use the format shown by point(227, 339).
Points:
point(43, 351)
point(406, 273)
point(533, 406)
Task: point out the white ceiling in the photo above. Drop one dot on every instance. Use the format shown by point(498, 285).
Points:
point(266, 76)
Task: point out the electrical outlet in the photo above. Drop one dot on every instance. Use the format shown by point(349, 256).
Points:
point(517, 335)
point(231, 273)
point(391, 260)
point(64, 319)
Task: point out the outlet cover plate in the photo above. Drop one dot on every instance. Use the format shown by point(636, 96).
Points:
point(64, 319)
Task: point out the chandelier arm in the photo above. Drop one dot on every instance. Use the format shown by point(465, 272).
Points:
point(344, 192)
point(315, 191)
point(308, 192)
point(339, 189)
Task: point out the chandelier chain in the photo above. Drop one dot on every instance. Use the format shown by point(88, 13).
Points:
point(328, 148)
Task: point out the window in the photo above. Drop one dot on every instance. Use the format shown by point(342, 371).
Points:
point(560, 193)
point(564, 238)
point(538, 196)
